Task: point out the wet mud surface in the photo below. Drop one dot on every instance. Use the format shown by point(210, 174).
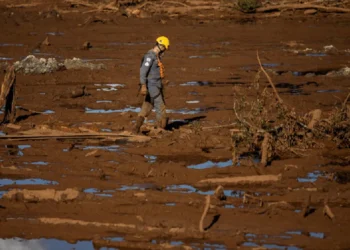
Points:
point(146, 195)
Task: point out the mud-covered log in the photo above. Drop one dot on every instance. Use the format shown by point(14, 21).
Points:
point(241, 180)
point(8, 95)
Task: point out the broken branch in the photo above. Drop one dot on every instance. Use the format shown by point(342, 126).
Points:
point(205, 211)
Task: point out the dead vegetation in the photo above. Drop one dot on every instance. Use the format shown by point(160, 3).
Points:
point(272, 128)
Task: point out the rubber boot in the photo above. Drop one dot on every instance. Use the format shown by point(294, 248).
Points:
point(164, 123)
point(139, 122)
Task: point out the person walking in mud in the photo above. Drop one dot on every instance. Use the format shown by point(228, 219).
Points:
point(151, 75)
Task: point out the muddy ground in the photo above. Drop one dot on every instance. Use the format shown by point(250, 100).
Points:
point(146, 195)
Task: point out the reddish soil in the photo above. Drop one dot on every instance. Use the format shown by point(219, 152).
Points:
point(139, 201)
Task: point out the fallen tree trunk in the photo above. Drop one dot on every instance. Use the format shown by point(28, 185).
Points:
point(302, 6)
point(241, 180)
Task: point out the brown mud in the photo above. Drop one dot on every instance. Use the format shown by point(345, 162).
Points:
point(92, 193)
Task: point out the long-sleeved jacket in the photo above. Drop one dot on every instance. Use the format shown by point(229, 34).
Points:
point(149, 70)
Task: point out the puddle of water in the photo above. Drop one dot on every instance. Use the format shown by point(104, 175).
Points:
point(316, 54)
point(230, 206)
point(318, 235)
point(184, 188)
point(196, 57)
point(6, 58)
point(328, 91)
point(104, 101)
point(311, 177)
point(170, 204)
point(115, 239)
point(210, 164)
point(196, 83)
point(97, 192)
point(108, 111)
point(111, 148)
point(46, 112)
point(184, 111)
point(143, 186)
point(193, 93)
point(192, 102)
point(151, 158)
point(43, 163)
point(294, 232)
point(55, 33)
point(21, 147)
point(106, 130)
point(2, 133)
point(42, 93)
point(44, 244)
point(109, 87)
point(297, 211)
point(270, 65)
point(2, 193)
point(6, 182)
point(11, 44)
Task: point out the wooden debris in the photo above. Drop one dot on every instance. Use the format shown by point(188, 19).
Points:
point(91, 153)
point(306, 208)
point(328, 212)
point(46, 42)
point(13, 126)
point(310, 12)
point(8, 95)
point(241, 180)
point(205, 211)
point(247, 197)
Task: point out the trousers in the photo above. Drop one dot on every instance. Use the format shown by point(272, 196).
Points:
point(154, 99)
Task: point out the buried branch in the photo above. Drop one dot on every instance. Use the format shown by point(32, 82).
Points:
point(8, 95)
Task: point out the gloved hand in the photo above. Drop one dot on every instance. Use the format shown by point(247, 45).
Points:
point(143, 90)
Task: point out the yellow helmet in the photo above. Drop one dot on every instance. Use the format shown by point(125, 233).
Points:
point(163, 40)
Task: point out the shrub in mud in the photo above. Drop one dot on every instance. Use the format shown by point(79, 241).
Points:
point(248, 6)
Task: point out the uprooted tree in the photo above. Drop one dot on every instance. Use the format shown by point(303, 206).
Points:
point(269, 126)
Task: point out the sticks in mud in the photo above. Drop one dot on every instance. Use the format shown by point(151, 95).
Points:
point(279, 99)
point(205, 211)
point(8, 95)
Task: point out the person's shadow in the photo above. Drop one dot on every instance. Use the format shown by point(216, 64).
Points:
point(180, 123)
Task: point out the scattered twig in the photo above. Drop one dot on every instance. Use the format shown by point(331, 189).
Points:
point(269, 79)
point(242, 180)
